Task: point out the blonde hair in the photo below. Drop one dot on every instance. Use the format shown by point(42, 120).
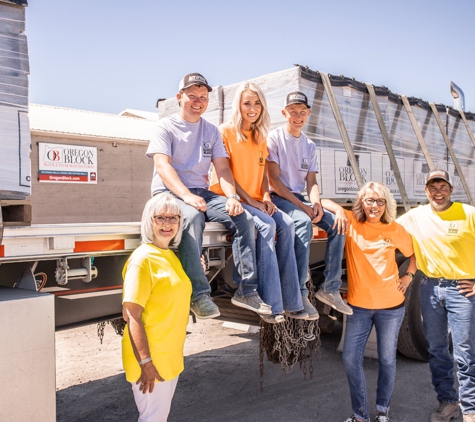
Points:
point(161, 203)
point(260, 127)
point(390, 210)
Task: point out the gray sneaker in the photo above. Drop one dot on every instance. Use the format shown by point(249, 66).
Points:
point(334, 300)
point(252, 302)
point(204, 307)
point(445, 412)
point(310, 309)
point(297, 314)
point(273, 319)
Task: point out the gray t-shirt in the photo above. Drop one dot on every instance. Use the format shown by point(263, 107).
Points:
point(191, 146)
point(295, 157)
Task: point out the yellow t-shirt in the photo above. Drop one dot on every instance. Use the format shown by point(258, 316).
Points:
point(371, 262)
point(155, 280)
point(444, 242)
point(247, 161)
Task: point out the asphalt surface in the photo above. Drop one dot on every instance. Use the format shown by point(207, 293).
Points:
point(221, 381)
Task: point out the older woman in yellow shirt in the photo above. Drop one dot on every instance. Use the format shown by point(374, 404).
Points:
point(156, 306)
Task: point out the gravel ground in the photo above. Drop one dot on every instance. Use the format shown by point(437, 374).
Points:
point(221, 381)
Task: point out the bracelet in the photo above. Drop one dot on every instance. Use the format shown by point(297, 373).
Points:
point(410, 275)
point(143, 362)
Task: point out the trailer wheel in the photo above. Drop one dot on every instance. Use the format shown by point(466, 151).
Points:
point(412, 342)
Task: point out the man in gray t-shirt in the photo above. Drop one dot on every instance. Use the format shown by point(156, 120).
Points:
point(292, 167)
point(183, 148)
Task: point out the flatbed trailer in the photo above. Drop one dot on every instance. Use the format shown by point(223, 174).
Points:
point(73, 272)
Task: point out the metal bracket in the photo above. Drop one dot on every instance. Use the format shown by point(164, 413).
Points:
point(27, 280)
point(215, 261)
point(63, 273)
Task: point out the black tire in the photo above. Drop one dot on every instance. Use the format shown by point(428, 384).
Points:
point(412, 342)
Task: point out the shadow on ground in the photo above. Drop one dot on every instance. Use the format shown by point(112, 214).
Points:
point(222, 385)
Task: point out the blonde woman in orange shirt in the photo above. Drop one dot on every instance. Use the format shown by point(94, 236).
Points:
point(375, 293)
point(245, 140)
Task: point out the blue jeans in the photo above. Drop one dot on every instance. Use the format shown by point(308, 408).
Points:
point(278, 283)
point(190, 248)
point(443, 307)
point(303, 236)
point(358, 328)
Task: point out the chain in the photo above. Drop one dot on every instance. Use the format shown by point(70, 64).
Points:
point(261, 356)
point(117, 324)
point(290, 342)
point(100, 330)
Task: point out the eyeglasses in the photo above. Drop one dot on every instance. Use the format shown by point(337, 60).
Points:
point(379, 202)
point(443, 188)
point(162, 219)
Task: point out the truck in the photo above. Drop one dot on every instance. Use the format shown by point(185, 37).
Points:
point(362, 133)
point(368, 133)
point(69, 217)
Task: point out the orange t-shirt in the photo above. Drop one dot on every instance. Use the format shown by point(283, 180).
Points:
point(371, 262)
point(247, 162)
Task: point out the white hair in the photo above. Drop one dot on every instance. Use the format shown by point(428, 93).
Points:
point(159, 204)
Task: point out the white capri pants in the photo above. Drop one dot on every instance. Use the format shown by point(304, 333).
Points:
point(155, 407)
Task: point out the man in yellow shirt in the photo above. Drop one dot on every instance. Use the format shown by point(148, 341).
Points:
point(443, 234)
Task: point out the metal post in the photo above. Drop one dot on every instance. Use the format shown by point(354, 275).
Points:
point(220, 96)
point(341, 127)
point(418, 132)
point(389, 148)
point(469, 130)
point(451, 151)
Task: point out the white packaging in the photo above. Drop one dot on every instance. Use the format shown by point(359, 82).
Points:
point(15, 147)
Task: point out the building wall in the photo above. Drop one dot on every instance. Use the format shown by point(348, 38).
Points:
point(124, 175)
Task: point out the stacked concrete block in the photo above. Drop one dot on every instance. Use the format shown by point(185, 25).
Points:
point(15, 142)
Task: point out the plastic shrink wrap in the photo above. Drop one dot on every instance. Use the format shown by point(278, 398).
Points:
point(15, 143)
point(336, 177)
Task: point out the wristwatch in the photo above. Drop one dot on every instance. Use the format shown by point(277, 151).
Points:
point(410, 275)
point(235, 196)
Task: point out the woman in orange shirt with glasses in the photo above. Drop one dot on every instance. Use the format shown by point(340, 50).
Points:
point(375, 292)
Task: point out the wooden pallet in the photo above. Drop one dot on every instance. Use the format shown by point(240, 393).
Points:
point(16, 212)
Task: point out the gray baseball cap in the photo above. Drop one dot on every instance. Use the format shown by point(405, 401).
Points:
point(438, 174)
point(193, 79)
point(296, 97)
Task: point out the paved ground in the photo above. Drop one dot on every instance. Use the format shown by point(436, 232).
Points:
point(221, 381)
